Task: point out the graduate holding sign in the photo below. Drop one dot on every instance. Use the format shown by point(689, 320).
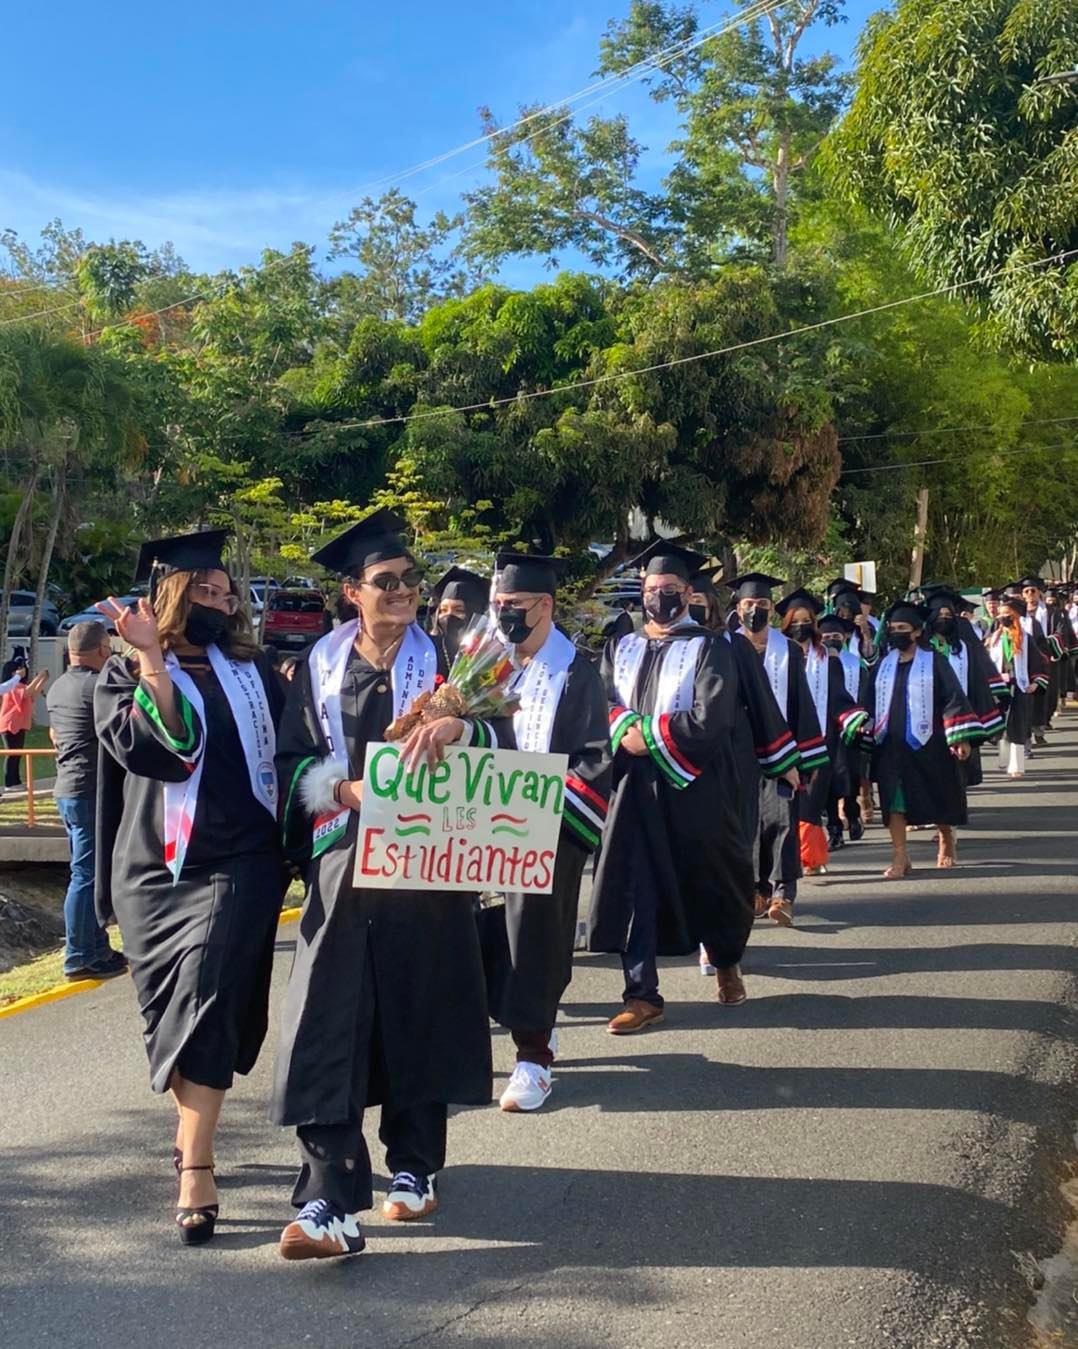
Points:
point(562, 710)
point(676, 867)
point(187, 843)
point(386, 1003)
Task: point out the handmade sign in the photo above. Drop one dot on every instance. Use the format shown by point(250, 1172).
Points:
point(482, 819)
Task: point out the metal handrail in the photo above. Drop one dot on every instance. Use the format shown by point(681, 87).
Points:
point(29, 755)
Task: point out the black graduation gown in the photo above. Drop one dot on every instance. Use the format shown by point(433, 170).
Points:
point(764, 745)
point(777, 851)
point(686, 841)
point(541, 929)
point(430, 1039)
point(1016, 707)
point(980, 678)
point(929, 780)
point(1058, 644)
point(201, 950)
point(845, 717)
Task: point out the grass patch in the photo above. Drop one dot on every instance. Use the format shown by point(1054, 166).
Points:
point(13, 811)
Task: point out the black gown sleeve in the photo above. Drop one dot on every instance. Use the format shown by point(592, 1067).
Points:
point(683, 743)
point(960, 722)
point(801, 715)
point(772, 739)
point(587, 783)
point(130, 729)
point(848, 715)
point(301, 745)
point(982, 680)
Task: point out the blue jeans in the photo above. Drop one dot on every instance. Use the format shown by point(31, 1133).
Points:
point(87, 943)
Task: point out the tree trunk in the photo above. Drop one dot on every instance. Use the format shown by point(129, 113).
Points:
point(781, 180)
point(14, 544)
point(59, 493)
point(920, 531)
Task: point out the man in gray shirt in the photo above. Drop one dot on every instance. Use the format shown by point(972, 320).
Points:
point(87, 953)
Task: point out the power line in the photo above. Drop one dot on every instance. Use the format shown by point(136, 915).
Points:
point(755, 10)
point(701, 355)
point(958, 458)
point(948, 430)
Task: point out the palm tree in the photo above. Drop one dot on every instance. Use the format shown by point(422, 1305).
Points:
point(63, 406)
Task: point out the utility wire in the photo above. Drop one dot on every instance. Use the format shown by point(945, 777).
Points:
point(948, 430)
point(958, 458)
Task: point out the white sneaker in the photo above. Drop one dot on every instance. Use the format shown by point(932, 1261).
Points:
point(410, 1196)
point(528, 1088)
point(706, 967)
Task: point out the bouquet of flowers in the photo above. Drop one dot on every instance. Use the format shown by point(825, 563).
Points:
point(478, 683)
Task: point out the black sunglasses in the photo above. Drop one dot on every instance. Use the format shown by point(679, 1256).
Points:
point(389, 581)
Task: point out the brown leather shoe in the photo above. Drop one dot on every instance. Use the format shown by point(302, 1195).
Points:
point(636, 1015)
point(759, 905)
point(731, 990)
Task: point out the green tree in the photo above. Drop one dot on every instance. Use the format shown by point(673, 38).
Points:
point(956, 142)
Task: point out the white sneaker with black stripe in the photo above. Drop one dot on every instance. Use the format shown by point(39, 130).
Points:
point(321, 1229)
point(410, 1196)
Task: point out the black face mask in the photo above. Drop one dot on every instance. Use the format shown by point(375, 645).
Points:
point(901, 641)
point(756, 620)
point(513, 621)
point(944, 626)
point(800, 632)
point(662, 608)
point(204, 625)
point(698, 614)
point(451, 627)
point(834, 643)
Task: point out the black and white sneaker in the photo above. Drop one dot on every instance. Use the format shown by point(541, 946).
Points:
point(320, 1230)
point(410, 1196)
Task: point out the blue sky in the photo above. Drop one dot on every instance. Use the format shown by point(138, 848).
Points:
point(231, 127)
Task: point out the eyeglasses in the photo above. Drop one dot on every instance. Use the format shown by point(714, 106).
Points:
point(214, 596)
point(390, 582)
point(664, 590)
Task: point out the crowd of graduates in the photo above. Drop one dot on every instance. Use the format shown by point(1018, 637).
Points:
point(716, 753)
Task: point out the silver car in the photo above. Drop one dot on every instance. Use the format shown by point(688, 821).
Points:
point(22, 611)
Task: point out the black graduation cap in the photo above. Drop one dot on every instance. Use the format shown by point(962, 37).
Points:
point(990, 593)
point(943, 598)
point(833, 623)
point(754, 585)
point(1037, 581)
point(839, 585)
point(527, 572)
point(1016, 602)
point(867, 596)
point(459, 583)
point(965, 606)
point(374, 539)
point(905, 611)
point(665, 558)
point(848, 598)
point(186, 552)
point(798, 599)
point(707, 578)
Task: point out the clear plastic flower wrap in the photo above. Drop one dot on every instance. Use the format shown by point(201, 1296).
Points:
point(477, 686)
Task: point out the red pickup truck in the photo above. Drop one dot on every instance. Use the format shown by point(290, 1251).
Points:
point(294, 619)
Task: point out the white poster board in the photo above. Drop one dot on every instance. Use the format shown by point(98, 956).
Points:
point(862, 574)
point(483, 819)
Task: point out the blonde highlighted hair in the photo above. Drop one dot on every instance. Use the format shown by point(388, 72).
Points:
point(172, 604)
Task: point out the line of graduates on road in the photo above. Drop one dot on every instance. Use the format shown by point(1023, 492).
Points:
point(702, 748)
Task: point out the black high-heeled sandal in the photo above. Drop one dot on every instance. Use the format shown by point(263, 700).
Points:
point(199, 1232)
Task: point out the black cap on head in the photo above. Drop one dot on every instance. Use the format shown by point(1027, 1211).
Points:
point(1036, 581)
point(1015, 602)
point(990, 593)
point(374, 539)
point(833, 623)
point(459, 583)
point(942, 598)
point(838, 585)
point(867, 596)
point(799, 599)
point(846, 599)
point(531, 574)
point(187, 552)
point(708, 578)
point(906, 612)
point(754, 585)
point(663, 558)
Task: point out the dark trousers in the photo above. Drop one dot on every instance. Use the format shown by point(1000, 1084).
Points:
point(336, 1164)
point(13, 740)
point(533, 1046)
point(638, 960)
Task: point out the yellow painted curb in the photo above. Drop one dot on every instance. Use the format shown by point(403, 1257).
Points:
point(62, 991)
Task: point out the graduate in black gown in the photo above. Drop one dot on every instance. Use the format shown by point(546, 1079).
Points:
point(1045, 624)
point(849, 763)
point(777, 851)
point(1020, 669)
point(456, 598)
point(922, 725)
point(955, 638)
point(563, 710)
point(386, 1001)
point(840, 715)
point(187, 841)
point(676, 868)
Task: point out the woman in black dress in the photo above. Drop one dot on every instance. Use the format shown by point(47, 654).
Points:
point(922, 727)
point(187, 840)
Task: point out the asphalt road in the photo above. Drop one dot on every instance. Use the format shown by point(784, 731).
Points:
point(866, 1153)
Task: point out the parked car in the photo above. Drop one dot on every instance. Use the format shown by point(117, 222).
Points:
point(22, 611)
point(298, 583)
point(293, 619)
point(92, 614)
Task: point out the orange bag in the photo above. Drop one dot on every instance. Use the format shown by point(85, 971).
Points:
point(813, 845)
